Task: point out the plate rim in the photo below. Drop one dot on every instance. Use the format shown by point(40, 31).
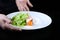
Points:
point(36, 12)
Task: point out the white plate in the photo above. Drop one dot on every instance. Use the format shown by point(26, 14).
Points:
point(41, 20)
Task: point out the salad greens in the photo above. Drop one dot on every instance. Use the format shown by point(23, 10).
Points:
point(20, 19)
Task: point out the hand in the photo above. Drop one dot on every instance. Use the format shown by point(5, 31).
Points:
point(22, 5)
point(5, 23)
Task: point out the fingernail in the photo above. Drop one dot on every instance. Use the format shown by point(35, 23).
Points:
point(32, 6)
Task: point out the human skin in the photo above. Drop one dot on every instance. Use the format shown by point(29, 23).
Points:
point(5, 22)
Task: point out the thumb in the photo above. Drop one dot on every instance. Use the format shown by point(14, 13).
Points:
point(10, 27)
point(7, 20)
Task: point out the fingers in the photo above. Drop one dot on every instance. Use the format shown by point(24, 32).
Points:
point(10, 27)
point(23, 8)
point(26, 7)
point(22, 5)
point(29, 3)
point(19, 5)
point(6, 20)
point(5, 23)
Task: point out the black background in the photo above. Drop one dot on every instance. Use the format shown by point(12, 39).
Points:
point(49, 7)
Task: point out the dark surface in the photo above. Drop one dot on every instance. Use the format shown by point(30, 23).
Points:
point(48, 7)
